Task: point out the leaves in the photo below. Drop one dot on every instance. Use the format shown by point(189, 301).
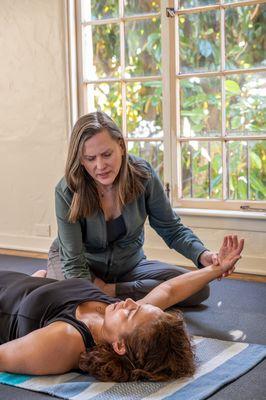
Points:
point(205, 48)
point(232, 87)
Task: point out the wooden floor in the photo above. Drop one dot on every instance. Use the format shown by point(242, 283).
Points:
point(21, 253)
point(44, 256)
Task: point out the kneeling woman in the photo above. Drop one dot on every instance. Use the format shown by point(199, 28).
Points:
point(52, 327)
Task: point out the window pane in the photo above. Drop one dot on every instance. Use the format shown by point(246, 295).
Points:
point(151, 152)
point(143, 47)
point(200, 101)
point(100, 9)
point(196, 3)
point(102, 51)
point(144, 109)
point(133, 7)
point(247, 170)
point(201, 170)
point(107, 98)
point(199, 36)
point(257, 162)
point(246, 104)
point(237, 169)
point(245, 36)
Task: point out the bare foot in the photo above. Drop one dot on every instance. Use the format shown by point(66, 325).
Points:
point(107, 288)
point(41, 273)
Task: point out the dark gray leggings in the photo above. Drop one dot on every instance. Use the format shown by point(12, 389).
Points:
point(137, 283)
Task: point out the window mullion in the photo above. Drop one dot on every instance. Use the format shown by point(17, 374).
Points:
point(166, 90)
point(82, 87)
point(176, 148)
point(122, 61)
point(225, 175)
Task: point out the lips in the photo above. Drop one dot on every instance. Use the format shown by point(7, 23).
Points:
point(105, 175)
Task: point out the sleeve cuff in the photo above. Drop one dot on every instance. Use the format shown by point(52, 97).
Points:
point(197, 253)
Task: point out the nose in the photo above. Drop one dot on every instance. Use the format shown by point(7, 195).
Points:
point(100, 164)
point(129, 303)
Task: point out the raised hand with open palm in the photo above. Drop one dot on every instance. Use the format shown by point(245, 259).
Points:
point(230, 253)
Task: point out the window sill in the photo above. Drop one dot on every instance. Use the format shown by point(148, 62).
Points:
point(223, 219)
point(221, 213)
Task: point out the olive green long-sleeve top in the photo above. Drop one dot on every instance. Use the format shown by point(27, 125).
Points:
point(84, 247)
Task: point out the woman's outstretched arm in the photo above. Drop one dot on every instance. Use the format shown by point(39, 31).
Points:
point(178, 289)
point(54, 349)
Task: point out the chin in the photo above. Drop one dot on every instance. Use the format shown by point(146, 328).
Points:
point(106, 181)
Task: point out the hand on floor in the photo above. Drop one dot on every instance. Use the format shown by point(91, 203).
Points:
point(41, 273)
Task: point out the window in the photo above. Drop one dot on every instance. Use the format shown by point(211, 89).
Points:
point(192, 103)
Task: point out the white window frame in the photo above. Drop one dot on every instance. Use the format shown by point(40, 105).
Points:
point(170, 85)
point(175, 78)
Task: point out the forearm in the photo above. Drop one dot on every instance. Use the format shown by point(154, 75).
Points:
point(181, 287)
point(187, 284)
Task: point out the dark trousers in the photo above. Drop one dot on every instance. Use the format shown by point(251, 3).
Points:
point(145, 276)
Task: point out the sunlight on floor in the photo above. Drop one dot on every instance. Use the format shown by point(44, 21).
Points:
point(237, 334)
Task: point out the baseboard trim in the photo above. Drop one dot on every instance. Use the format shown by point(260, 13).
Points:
point(24, 253)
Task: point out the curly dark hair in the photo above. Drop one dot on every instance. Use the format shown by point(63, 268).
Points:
point(159, 350)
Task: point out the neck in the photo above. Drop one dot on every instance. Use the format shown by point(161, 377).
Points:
point(95, 326)
point(105, 189)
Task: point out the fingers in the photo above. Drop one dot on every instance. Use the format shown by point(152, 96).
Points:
point(235, 242)
point(225, 241)
point(241, 245)
point(232, 241)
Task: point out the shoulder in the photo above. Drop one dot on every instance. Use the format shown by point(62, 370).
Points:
point(141, 166)
point(134, 160)
point(62, 190)
point(66, 334)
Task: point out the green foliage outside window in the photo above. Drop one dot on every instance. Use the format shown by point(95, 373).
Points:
point(245, 36)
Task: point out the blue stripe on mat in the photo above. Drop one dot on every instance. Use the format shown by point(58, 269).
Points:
point(205, 385)
point(67, 390)
point(13, 379)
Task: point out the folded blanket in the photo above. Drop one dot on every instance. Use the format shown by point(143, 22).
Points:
point(219, 362)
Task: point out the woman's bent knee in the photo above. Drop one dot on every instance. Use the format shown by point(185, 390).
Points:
point(204, 293)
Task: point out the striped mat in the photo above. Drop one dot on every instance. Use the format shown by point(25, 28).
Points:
point(219, 362)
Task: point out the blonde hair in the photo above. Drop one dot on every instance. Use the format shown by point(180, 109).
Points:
point(129, 181)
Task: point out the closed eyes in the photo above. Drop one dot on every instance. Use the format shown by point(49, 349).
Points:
point(104, 155)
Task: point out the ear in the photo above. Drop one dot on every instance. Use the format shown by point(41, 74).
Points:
point(119, 347)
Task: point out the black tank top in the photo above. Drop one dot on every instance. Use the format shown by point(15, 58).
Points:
point(29, 303)
point(115, 228)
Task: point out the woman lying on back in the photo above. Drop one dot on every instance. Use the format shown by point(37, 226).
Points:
point(52, 327)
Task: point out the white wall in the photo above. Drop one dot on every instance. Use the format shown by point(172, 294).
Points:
point(33, 119)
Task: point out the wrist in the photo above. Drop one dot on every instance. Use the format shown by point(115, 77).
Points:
point(215, 270)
